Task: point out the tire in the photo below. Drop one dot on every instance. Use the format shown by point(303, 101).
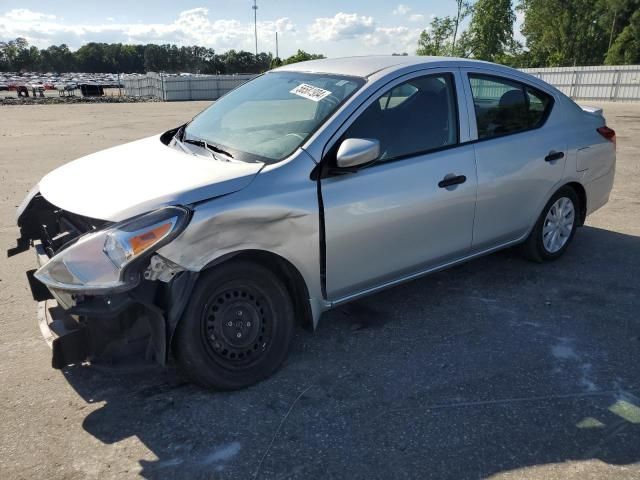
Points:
point(236, 329)
point(539, 246)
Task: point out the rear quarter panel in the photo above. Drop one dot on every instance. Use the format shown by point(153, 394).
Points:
point(593, 158)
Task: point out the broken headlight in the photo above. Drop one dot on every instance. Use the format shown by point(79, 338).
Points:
point(100, 261)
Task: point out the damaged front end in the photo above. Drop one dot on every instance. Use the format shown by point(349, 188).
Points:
point(104, 294)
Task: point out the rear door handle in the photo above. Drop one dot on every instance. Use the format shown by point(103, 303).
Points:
point(554, 156)
point(450, 181)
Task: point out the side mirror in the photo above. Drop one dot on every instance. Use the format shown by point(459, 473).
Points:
point(357, 151)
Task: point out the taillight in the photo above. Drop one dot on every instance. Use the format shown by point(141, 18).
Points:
point(608, 133)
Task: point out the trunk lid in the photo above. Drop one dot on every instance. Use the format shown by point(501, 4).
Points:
point(597, 111)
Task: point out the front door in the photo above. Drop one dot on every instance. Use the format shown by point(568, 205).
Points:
point(414, 207)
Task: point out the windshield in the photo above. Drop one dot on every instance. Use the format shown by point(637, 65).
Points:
point(267, 118)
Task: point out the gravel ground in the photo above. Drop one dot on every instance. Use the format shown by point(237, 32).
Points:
point(497, 368)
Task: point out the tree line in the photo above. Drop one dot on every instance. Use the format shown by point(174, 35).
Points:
point(556, 32)
point(17, 55)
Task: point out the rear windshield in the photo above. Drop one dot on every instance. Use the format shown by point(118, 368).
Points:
point(268, 118)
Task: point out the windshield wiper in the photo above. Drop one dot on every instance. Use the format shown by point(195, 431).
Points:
point(178, 139)
point(208, 146)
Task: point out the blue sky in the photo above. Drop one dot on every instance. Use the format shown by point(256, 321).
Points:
point(335, 28)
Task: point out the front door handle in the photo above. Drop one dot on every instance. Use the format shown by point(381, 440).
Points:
point(554, 156)
point(449, 181)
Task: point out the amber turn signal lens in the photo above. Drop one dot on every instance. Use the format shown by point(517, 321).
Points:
point(141, 242)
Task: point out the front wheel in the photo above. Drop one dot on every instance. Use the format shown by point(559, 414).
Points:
point(236, 329)
point(555, 227)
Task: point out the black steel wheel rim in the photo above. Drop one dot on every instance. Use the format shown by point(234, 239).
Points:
point(237, 326)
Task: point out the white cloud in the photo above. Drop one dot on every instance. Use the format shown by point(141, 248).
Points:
point(341, 34)
point(401, 10)
point(365, 31)
point(24, 15)
point(341, 26)
point(405, 11)
point(394, 39)
point(192, 27)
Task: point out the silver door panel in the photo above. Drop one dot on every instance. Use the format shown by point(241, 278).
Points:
point(514, 179)
point(392, 220)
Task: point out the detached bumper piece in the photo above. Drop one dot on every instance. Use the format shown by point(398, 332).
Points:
point(126, 329)
point(39, 292)
point(67, 338)
point(134, 336)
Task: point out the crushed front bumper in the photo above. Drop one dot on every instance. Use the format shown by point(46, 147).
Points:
point(114, 327)
point(67, 339)
point(63, 332)
point(93, 332)
point(134, 327)
point(105, 329)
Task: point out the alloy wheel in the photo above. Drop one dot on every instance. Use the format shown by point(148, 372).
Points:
point(558, 225)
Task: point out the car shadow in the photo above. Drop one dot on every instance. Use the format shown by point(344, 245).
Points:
point(493, 366)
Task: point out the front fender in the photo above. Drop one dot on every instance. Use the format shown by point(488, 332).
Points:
point(278, 213)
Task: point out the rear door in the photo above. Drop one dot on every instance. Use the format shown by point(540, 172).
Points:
point(399, 215)
point(520, 155)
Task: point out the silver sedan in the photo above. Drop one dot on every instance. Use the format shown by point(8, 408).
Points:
point(308, 187)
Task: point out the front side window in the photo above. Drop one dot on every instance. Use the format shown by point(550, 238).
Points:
point(503, 106)
point(268, 118)
point(412, 118)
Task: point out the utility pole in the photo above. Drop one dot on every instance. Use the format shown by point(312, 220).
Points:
point(255, 23)
point(613, 26)
point(277, 56)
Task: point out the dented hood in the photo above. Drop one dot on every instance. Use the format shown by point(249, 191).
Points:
point(120, 182)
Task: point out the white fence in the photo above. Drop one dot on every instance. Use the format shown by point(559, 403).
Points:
point(609, 83)
point(182, 87)
point(149, 85)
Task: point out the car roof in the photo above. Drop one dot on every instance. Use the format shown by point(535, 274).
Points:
point(366, 66)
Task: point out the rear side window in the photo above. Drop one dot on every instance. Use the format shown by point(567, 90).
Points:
point(539, 106)
point(413, 118)
point(503, 106)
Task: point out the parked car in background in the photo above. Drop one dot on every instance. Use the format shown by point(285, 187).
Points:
point(37, 89)
point(91, 90)
point(311, 186)
point(49, 80)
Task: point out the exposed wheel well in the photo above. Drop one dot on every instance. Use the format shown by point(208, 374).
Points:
point(286, 272)
point(582, 196)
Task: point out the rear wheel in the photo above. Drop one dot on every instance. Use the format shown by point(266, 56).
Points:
point(555, 227)
point(236, 329)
